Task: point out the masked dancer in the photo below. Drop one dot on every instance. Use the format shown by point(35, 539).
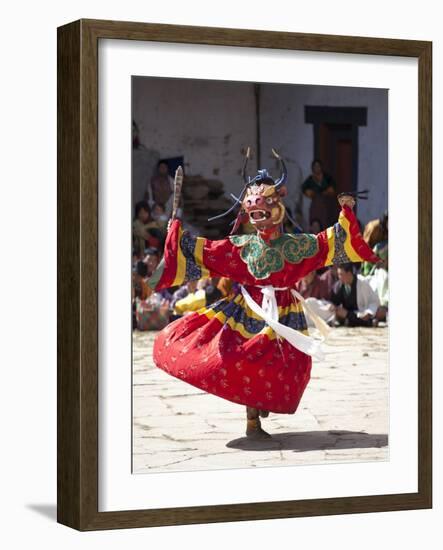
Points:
point(252, 347)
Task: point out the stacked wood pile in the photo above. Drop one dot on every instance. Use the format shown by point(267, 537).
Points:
point(202, 199)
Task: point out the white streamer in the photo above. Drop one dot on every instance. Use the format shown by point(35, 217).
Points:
point(268, 311)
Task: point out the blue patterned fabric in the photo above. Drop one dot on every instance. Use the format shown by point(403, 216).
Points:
point(294, 320)
point(187, 244)
point(340, 256)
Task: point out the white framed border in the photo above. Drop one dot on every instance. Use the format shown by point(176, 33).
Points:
point(118, 488)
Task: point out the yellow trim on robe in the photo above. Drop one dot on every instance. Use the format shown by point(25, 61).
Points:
point(239, 327)
point(350, 251)
point(181, 262)
point(198, 253)
point(331, 245)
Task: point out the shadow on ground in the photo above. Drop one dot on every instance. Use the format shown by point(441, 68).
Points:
point(312, 441)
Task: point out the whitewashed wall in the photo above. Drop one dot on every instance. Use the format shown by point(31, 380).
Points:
point(282, 114)
point(209, 123)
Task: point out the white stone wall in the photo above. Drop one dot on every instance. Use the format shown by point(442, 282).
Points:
point(210, 122)
point(283, 116)
point(205, 121)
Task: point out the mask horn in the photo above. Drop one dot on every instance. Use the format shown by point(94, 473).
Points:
point(237, 202)
point(284, 173)
point(245, 164)
point(233, 207)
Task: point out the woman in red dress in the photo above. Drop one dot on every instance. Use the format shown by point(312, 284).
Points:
point(252, 347)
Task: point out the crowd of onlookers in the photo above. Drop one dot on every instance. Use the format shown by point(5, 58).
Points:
point(352, 294)
point(348, 294)
point(154, 310)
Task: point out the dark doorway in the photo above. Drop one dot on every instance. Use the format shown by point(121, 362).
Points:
point(336, 142)
point(173, 163)
point(336, 151)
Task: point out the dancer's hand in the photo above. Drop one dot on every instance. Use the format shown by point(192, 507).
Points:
point(346, 200)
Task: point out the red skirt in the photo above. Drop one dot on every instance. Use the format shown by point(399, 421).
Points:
point(227, 351)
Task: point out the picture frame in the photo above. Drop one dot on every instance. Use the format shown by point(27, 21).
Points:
point(78, 244)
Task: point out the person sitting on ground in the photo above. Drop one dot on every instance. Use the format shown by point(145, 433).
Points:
point(195, 295)
point(140, 289)
point(151, 259)
point(376, 231)
point(139, 278)
point(381, 248)
point(159, 215)
point(225, 286)
point(314, 285)
point(355, 300)
point(378, 277)
point(187, 298)
point(316, 289)
point(210, 287)
point(145, 231)
point(153, 313)
point(150, 309)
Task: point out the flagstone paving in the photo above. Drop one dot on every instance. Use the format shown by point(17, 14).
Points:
point(343, 415)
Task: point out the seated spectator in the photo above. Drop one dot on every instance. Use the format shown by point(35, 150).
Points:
point(145, 231)
point(225, 286)
point(151, 310)
point(140, 289)
point(183, 291)
point(378, 278)
point(376, 231)
point(316, 289)
point(194, 295)
point(135, 258)
point(188, 298)
point(381, 249)
point(355, 300)
point(139, 278)
point(151, 260)
point(210, 286)
point(153, 313)
point(159, 215)
point(314, 285)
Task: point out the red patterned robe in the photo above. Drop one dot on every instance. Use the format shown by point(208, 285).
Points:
point(228, 350)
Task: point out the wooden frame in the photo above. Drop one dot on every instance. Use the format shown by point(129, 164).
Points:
point(77, 456)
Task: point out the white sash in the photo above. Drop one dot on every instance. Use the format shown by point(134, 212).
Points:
point(268, 311)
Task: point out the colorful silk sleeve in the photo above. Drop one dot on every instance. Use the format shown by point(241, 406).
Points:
point(182, 260)
point(344, 243)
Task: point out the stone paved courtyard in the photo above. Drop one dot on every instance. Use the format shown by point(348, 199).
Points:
point(343, 415)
